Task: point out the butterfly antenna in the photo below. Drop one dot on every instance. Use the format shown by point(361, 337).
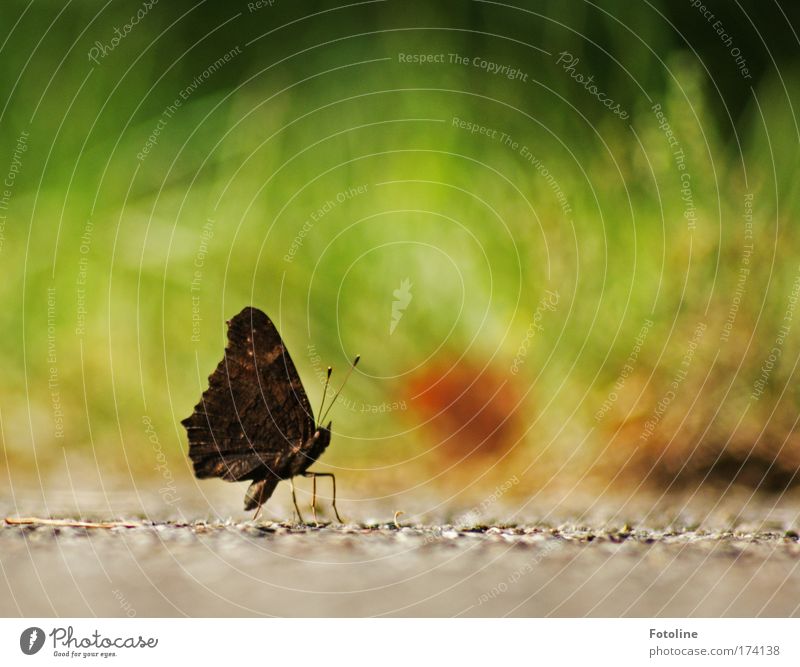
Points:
point(325, 390)
point(346, 378)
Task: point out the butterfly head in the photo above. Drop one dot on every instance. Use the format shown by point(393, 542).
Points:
point(323, 433)
point(319, 441)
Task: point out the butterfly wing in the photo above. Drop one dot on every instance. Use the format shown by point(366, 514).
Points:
point(255, 415)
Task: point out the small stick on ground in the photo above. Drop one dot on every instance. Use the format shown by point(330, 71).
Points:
point(68, 523)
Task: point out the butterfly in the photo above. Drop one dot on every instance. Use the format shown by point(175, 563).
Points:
point(254, 422)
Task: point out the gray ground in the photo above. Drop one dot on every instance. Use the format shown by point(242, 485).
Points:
point(740, 560)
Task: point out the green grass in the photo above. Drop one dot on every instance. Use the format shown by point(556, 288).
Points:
point(478, 231)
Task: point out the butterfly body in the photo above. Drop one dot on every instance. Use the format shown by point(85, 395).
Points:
point(254, 422)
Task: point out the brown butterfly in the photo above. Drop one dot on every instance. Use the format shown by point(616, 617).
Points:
point(254, 422)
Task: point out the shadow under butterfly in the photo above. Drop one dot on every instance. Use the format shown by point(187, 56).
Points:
point(254, 422)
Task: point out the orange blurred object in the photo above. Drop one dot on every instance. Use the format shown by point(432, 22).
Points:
point(468, 413)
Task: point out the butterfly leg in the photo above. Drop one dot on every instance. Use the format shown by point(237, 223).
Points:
point(333, 481)
point(296, 507)
point(313, 477)
point(260, 503)
point(314, 498)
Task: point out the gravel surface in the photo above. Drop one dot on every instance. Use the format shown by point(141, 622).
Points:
point(239, 568)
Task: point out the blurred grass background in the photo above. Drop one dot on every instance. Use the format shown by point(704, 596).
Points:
point(313, 102)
